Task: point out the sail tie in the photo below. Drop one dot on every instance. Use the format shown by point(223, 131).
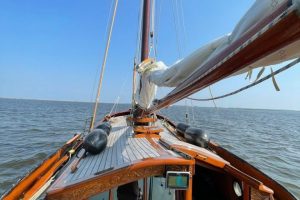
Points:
point(146, 66)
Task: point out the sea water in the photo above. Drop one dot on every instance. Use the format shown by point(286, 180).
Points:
point(31, 130)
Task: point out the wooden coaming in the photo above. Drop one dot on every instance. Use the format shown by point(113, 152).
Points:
point(279, 191)
point(203, 155)
point(115, 178)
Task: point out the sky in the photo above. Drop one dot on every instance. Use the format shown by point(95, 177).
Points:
point(53, 50)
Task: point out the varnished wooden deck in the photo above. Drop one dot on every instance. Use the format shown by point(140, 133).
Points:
point(122, 150)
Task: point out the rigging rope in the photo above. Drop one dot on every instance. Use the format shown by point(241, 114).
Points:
point(106, 33)
point(291, 64)
point(114, 106)
point(87, 114)
point(193, 112)
point(137, 52)
point(186, 113)
point(133, 85)
point(177, 27)
point(157, 22)
point(211, 95)
point(152, 15)
point(104, 65)
point(152, 30)
point(183, 25)
point(122, 90)
point(139, 34)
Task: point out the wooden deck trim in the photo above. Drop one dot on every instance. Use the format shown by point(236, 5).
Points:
point(189, 191)
point(145, 189)
point(112, 179)
point(195, 152)
point(142, 119)
point(143, 135)
point(250, 181)
point(203, 156)
point(44, 178)
point(280, 191)
point(40, 175)
point(147, 130)
point(246, 192)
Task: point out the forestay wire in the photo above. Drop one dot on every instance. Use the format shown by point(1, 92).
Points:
point(104, 65)
point(88, 118)
point(271, 75)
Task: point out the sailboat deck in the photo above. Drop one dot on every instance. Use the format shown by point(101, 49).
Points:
point(122, 150)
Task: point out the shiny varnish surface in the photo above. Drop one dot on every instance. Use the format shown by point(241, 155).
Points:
point(126, 158)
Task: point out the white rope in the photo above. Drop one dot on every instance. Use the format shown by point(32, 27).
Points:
point(113, 107)
point(104, 65)
point(121, 92)
point(42, 189)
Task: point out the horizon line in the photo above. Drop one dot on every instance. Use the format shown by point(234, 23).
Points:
point(74, 101)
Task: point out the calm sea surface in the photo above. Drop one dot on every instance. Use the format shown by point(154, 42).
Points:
point(31, 130)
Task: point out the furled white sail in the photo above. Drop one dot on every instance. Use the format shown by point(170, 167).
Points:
point(155, 74)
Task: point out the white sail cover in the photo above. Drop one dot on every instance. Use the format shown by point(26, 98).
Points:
point(158, 74)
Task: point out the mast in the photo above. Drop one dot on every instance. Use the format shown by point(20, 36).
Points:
point(145, 30)
point(138, 111)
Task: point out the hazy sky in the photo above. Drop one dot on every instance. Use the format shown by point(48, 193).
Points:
point(53, 50)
